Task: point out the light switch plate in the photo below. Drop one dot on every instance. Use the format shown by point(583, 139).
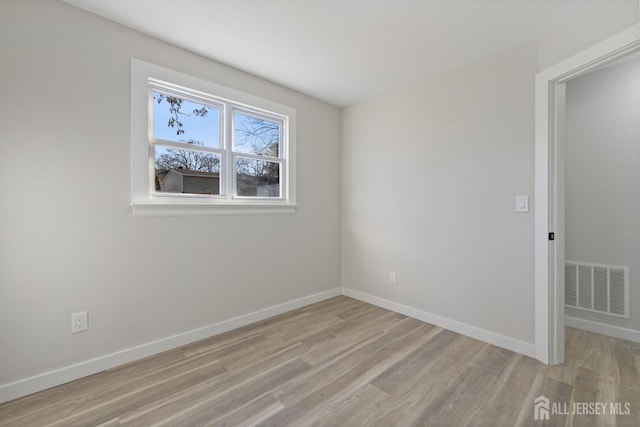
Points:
point(522, 203)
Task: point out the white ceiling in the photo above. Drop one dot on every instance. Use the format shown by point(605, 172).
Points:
point(345, 51)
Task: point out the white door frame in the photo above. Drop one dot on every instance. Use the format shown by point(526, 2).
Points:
point(549, 186)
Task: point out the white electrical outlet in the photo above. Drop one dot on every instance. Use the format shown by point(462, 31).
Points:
point(393, 279)
point(79, 322)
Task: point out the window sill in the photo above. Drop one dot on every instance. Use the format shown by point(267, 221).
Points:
point(173, 209)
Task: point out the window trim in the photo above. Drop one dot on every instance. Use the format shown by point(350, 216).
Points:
point(145, 201)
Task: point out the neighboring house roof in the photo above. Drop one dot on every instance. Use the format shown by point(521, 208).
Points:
point(187, 172)
point(161, 176)
point(161, 173)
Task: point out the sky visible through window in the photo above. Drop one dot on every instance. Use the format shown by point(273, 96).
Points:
point(198, 130)
point(252, 135)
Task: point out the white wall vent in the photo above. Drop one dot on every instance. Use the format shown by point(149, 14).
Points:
point(597, 287)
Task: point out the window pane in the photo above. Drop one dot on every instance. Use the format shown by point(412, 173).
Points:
point(181, 120)
point(186, 171)
point(257, 178)
point(255, 135)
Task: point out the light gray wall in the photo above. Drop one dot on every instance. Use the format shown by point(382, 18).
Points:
point(603, 177)
point(430, 174)
point(64, 118)
point(589, 25)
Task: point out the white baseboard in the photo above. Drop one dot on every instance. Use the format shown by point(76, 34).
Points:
point(65, 374)
point(452, 325)
point(601, 328)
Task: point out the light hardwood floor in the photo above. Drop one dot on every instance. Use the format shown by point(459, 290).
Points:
point(343, 362)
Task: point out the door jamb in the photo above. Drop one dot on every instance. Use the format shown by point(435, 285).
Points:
point(549, 184)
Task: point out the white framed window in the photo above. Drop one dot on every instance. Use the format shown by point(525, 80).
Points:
point(198, 147)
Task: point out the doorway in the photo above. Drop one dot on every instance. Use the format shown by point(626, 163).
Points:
point(550, 232)
point(602, 204)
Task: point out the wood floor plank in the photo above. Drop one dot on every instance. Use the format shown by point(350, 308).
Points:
point(342, 365)
point(353, 409)
point(628, 380)
point(555, 391)
point(289, 320)
point(243, 332)
point(250, 414)
point(607, 393)
point(358, 311)
point(227, 346)
point(526, 416)
point(114, 390)
point(503, 405)
point(350, 335)
point(585, 389)
point(202, 391)
point(202, 412)
point(419, 390)
point(12, 411)
point(111, 423)
point(467, 391)
point(405, 371)
point(108, 409)
point(343, 362)
point(369, 364)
